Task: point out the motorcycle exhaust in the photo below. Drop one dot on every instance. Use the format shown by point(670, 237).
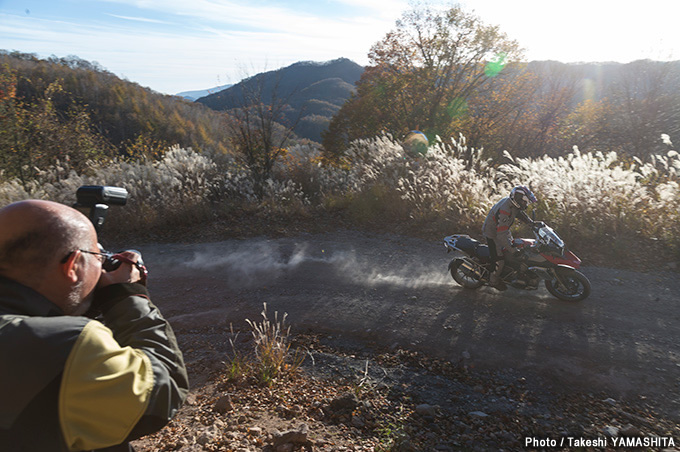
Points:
point(474, 269)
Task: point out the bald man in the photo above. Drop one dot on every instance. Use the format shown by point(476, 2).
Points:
point(69, 382)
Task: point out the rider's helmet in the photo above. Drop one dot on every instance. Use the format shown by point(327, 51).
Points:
point(521, 196)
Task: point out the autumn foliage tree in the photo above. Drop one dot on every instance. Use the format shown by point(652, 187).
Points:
point(119, 110)
point(260, 129)
point(38, 134)
point(421, 75)
point(646, 104)
point(523, 111)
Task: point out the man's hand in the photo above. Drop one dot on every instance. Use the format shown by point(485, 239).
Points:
point(125, 273)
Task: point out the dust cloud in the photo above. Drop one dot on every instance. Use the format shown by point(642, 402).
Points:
point(251, 265)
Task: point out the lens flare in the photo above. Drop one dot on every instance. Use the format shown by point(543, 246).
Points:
point(457, 108)
point(493, 68)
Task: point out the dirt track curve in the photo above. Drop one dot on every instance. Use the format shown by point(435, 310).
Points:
point(394, 290)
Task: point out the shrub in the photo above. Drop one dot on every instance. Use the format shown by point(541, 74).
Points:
point(270, 357)
point(591, 199)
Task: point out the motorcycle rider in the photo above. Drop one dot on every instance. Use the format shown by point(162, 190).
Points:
point(496, 230)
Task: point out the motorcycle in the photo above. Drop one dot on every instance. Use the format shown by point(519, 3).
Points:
point(545, 257)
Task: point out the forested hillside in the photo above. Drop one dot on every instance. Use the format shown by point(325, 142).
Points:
point(54, 108)
point(313, 92)
point(529, 109)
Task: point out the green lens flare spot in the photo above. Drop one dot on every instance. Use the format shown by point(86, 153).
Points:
point(458, 108)
point(493, 68)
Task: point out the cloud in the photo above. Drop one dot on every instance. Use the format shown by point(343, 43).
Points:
point(271, 17)
point(140, 19)
point(198, 44)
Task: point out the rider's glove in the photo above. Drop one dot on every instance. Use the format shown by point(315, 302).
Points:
point(537, 224)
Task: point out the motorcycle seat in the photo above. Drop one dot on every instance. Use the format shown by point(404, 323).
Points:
point(473, 247)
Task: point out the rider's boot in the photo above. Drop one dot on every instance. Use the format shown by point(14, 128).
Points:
point(495, 279)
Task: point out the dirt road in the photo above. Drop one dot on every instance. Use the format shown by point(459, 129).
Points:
point(394, 290)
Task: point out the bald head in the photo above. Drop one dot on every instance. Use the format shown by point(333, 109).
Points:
point(35, 235)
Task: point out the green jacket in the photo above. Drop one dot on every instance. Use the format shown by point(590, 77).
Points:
point(75, 383)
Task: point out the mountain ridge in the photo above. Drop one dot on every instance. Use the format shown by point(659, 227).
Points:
point(316, 90)
point(197, 94)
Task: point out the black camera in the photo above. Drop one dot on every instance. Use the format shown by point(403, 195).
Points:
point(94, 202)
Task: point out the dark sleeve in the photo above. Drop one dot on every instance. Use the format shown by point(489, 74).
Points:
point(136, 322)
point(522, 215)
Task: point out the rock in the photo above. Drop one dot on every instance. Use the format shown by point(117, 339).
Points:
point(255, 431)
point(478, 414)
point(610, 401)
point(346, 403)
point(295, 437)
point(224, 404)
point(611, 432)
point(358, 422)
point(209, 435)
point(426, 410)
point(287, 447)
point(193, 448)
point(191, 399)
point(203, 439)
point(466, 355)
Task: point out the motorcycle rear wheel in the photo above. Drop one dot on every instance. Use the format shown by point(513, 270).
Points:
point(464, 277)
point(576, 286)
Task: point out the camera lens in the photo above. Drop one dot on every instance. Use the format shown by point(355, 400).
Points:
point(110, 264)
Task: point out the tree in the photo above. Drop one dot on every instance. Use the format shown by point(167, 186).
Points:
point(529, 107)
point(37, 135)
point(259, 128)
point(587, 126)
point(119, 110)
point(646, 105)
point(421, 75)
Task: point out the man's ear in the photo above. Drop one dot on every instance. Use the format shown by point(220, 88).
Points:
point(70, 268)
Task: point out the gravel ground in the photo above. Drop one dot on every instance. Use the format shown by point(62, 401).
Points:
point(431, 366)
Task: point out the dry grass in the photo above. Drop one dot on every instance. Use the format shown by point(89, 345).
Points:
point(271, 356)
point(593, 199)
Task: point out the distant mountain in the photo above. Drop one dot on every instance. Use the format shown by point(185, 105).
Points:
point(193, 95)
point(316, 89)
point(598, 81)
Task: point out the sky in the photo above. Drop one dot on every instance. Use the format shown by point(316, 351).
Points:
point(172, 46)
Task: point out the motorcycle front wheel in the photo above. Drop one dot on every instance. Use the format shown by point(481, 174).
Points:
point(576, 286)
point(464, 276)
